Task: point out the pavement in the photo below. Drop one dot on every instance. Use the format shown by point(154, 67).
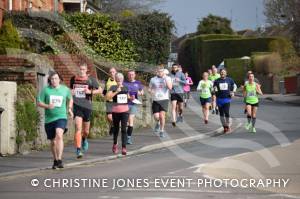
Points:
point(145, 140)
point(286, 98)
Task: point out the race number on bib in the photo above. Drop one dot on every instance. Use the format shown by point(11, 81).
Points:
point(251, 94)
point(205, 91)
point(159, 96)
point(80, 92)
point(223, 86)
point(56, 100)
point(122, 99)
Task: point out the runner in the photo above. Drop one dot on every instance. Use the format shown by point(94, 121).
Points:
point(159, 87)
point(178, 81)
point(119, 95)
point(245, 81)
point(224, 88)
point(135, 89)
point(251, 89)
point(110, 82)
point(205, 87)
point(83, 88)
point(187, 88)
point(56, 99)
point(214, 76)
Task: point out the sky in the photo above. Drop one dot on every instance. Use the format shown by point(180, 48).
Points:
point(245, 14)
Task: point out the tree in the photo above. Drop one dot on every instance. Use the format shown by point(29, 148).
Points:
point(151, 33)
point(213, 24)
point(115, 7)
point(284, 13)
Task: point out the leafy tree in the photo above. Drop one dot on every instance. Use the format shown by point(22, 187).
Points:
point(115, 7)
point(213, 24)
point(284, 13)
point(103, 36)
point(151, 34)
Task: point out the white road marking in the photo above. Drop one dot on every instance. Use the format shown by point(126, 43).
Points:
point(176, 190)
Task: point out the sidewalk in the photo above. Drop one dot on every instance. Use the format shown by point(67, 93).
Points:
point(100, 149)
point(287, 98)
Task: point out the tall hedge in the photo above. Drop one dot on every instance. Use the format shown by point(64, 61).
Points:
point(198, 53)
point(151, 34)
point(237, 68)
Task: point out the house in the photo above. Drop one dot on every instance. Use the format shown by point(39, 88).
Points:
point(89, 6)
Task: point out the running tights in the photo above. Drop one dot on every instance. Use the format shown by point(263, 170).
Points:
point(117, 118)
point(224, 114)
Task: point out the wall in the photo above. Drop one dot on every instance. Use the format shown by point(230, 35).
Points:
point(33, 69)
point(8, 93)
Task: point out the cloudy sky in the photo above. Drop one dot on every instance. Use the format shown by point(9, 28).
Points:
point(245, 14)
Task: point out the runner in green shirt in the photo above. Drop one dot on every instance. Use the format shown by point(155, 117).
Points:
point(55, 99)
point(205, 87)
point(251, 91)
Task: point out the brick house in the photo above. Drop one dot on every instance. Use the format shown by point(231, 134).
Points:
point(48, 5)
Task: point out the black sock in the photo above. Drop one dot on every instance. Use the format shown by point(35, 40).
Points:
point(253, 121)
point(249, 119)
point(129, 130)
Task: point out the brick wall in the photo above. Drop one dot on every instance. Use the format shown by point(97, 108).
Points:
point(23, 71)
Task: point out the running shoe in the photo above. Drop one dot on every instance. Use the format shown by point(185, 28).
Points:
point(162, 134)
point(55, 164)
point(60, 164)
point(85, 145)
point(124, 151)
point(79, 154)
point(115, 149)
point(248, 126)
point(253, 130)
point(129, 140)
point(213, 111)
point(174, 124)
point(217, 111)
point(206, 121)
point(156, 128)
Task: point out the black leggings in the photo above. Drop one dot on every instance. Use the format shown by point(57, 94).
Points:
point(224, 114)
point(117, 118)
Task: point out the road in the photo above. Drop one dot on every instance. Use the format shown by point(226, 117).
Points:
point(186, 165)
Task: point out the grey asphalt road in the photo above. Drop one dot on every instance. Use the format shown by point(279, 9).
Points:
point(168, 173)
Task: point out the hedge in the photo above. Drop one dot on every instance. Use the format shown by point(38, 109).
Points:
point(198, 53)
point(237, 68)
point(151, 34)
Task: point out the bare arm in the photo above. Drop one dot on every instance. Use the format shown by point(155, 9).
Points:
point(258, 89)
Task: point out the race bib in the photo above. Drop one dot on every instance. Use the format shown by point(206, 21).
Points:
point(205, 91)
point(80, 92)
point(223, 86)
point(251, 94)
point(122, 99)
point(159, 96)
point(174, 82)
point(56, 100)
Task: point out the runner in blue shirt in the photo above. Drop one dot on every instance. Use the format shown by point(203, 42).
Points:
point(224, 88)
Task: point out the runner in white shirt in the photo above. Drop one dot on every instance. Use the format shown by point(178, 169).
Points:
point(160, 87)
